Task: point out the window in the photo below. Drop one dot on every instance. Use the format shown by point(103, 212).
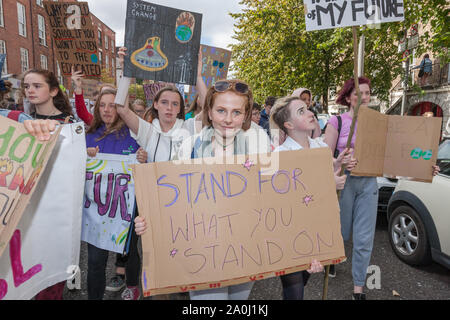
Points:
point(59, 75)
point(39, 3)
point(100, 57)
point(3, 50)
point(106, 42)
point(41, 27)
point(112, 66)
point(99, 38)
point(24, 59)
point(106, 61)
point(2, 24)
point(112, 46)
point(44, 62)
point(21, 17)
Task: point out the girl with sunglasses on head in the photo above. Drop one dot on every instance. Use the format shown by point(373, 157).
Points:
point(226, 120)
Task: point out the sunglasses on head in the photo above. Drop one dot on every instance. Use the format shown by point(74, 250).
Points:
point(222, 86)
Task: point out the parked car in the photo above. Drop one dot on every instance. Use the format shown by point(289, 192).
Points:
point(386, 187)
point(419, 216)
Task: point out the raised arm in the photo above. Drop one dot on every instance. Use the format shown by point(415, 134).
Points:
point(200, 86)
point(128, 116)
point(80, 106)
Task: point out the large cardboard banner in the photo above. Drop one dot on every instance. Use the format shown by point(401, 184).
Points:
point(215, 225)
point(74, 36)
point(162, 43)
point(109, 201)
point(22, 161)
point(45, 245)
point(321, 15)
point(215, 63)
point(396, 146)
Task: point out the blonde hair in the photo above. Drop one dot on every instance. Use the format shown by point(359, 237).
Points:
point(280, 113)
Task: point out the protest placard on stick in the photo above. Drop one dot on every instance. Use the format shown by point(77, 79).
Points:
point(215, 225)
point(162, 43)
point(74, 37)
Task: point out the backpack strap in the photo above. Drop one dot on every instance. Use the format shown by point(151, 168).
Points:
point(336, 151)
point(14, 115)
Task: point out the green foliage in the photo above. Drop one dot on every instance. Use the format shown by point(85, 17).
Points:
point(136, 91)
point(106, 76)
point(275, 54)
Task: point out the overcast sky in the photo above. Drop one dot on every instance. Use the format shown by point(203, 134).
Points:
point(217, 25)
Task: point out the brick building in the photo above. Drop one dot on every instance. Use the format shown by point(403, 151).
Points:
point(25, 37)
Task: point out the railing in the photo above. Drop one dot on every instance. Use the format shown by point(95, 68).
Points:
point(439, 76)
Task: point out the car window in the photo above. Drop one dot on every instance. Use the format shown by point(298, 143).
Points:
point(443, 158)
point(444, 150)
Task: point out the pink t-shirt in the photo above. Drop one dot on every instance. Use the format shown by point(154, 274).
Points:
point(345, 130)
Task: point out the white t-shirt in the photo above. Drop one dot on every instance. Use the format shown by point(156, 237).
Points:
point(291, 144)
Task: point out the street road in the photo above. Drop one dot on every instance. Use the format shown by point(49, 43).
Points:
point(410, 283)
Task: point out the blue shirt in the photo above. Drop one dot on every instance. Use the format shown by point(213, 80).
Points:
point(116, 143)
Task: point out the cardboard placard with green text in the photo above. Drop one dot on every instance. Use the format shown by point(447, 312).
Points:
point(22, 161)
point(215, 225)
point(396, 146)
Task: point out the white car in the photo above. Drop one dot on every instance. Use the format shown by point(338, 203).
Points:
point(419, 216)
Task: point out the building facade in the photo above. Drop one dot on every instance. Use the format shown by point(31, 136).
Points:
point(25, 37)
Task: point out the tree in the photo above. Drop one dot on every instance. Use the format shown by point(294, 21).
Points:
point(106, 76)
point(275, 54)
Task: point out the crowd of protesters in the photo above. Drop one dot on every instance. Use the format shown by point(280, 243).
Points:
point(216, 124)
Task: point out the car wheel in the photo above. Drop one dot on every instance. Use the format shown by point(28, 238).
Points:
point(408, 236)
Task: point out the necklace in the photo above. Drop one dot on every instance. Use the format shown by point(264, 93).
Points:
point(224, 146)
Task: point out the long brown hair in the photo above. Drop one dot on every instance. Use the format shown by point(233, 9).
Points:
point(118, 124)
point(195, 106)
point(60, 101)
point(154, 112)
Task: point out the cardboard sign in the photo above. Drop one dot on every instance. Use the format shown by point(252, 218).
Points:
point(396, 146)
point(22, 161)
point(328, 14)
point(109, 201)
point(152, 89)
point(74, 36)
point(90, 88)
point(162, 43)
point(215, 225)
point(215, 63)
point(45, 246)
